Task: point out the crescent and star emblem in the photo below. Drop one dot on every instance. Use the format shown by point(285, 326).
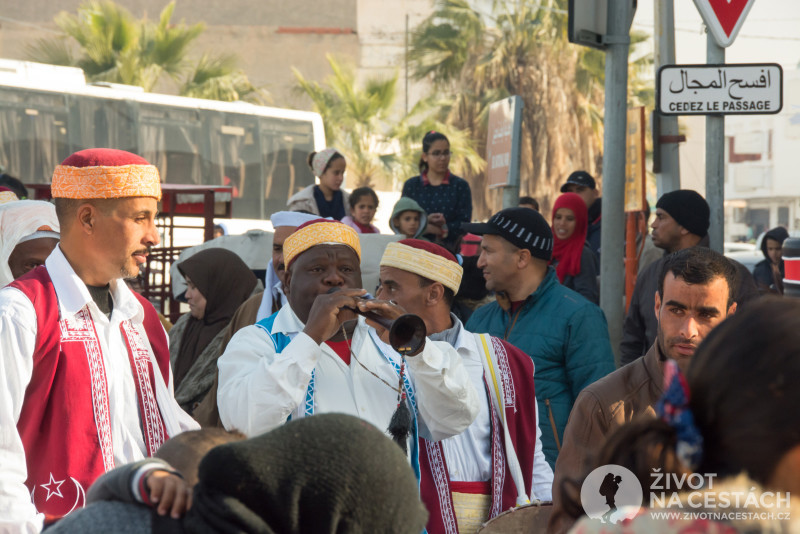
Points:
point(53, 487)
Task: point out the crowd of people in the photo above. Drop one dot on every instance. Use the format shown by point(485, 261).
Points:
point(474, 381)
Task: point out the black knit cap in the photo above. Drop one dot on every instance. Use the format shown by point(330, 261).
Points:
point(326, 473)
point(522, 227)
point(688, 208)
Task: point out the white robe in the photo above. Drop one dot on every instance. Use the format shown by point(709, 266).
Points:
point(259, 389)
point(17, 342)
point(468, 455)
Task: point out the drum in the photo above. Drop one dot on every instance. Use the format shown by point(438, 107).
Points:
point(527, 519)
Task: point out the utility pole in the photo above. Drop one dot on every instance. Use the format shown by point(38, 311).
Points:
point(617, 39)
point(715, 158)
point(406, 61)
point(668, 175)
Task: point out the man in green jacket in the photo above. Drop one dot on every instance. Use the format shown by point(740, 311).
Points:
point(564, 334)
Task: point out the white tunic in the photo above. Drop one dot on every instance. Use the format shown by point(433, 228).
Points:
point(259, 389)
point(468, 455)
point(17, 343)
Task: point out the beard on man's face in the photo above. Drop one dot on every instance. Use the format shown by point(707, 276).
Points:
point(126, 272)
point(668, 347)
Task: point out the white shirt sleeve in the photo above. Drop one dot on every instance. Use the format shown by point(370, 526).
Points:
point(17, 343)
point(446, 399)
point(542, 481)
point(258, 388)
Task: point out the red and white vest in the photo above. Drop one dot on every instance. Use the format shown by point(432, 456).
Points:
point(516, 376)
point(65, 422)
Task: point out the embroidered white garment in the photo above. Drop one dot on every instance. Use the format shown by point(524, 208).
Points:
point(17, 343)
point(259, 389)
point(468, 455)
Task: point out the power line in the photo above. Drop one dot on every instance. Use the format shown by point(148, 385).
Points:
point(30, 25)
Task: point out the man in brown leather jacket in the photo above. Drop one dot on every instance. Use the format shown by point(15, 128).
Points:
point(694, 295)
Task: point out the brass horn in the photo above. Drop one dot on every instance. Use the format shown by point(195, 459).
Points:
point(406, 333)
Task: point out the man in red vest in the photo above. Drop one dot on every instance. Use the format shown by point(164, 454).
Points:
point(85, 382)
point(497, 463)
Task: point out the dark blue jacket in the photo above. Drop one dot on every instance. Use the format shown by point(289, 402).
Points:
point(453, 200)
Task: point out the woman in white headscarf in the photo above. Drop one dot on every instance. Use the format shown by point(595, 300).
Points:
point(29, 232)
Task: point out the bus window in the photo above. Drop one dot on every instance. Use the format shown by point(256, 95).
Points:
point(33, 134)
point(286, 145)
point(48, 112)
point(170, 139)
point(104, 123)
point(234, 159)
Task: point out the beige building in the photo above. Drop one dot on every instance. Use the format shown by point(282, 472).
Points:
point(269, 36)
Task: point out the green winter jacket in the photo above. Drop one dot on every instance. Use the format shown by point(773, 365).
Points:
point(567, 338)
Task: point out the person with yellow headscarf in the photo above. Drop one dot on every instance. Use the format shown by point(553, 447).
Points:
point(316, 355)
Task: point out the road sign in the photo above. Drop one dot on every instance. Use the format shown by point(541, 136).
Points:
point(724, 18)
point(728, 89)
point(502, 142)
point(587, 21)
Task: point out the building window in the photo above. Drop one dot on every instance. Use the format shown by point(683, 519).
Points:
point(783, 216)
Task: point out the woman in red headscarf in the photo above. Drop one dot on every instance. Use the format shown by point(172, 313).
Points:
point(575, 263)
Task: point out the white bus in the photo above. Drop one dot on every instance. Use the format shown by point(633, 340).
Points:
point(48, 112)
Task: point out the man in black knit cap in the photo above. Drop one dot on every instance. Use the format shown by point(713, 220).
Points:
point(682, 221)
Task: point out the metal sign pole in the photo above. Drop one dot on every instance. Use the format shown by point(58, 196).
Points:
point(668, 177)
point(616, 112)
point(715, 158)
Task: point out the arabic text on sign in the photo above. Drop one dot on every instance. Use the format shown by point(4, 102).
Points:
point(734, 86)
point(501, 160)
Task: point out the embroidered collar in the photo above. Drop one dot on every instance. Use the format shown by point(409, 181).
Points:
point(425, 180)
point(288, 323)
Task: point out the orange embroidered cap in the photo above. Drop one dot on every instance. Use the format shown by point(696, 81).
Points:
point(105, 173)
point(7, 195)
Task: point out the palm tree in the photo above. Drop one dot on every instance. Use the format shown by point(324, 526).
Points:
point(218, 78)
point(407, 136)
point(473, 60)
point(358, 121)
point(111, 45)
point(353, 117)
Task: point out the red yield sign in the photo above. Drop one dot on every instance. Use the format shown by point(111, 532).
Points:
point(724, 18)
